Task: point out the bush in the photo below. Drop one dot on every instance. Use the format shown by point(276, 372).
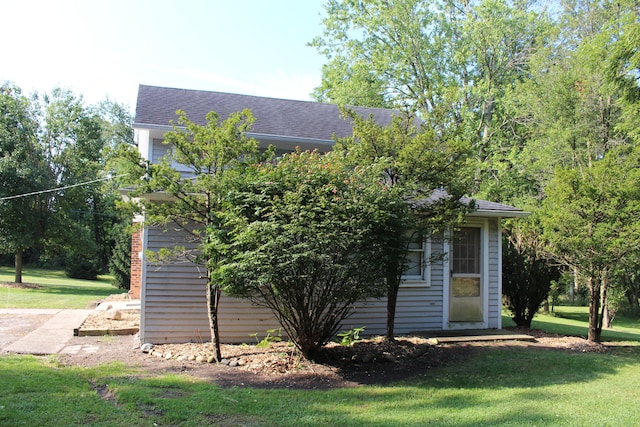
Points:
point(304, 237)
point(526, 280)
point(82, 266)
point(120, 262)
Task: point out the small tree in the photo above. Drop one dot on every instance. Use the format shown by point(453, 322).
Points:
point(208, 152)
point(590, 221)
point(527, 275)
point(416, 163)
point(305, 238)
point(120, 261)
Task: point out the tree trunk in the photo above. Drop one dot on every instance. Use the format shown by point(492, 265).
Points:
point(603, 299)
point(545, 306)
point(594, 311)
point(213, 300)
point(573, 287)
point(606, 318)
point(633, 298)
point(392, 299)
point(18, 266)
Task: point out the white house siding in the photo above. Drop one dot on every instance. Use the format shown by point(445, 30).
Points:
point(495, 297)
point(159, 150)
point(175, 310)
point(174, 302)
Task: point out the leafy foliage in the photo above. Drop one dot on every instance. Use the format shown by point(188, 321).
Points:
point(527, 275)
point(193, 194)
point(120, 261)
point(416, 164)
point(305, 236)
point(454, 63)
point(22, 170)
point(62, 143)
point(590, 221)
point(350, 337)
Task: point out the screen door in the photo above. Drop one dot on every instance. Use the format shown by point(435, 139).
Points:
point(465, 299)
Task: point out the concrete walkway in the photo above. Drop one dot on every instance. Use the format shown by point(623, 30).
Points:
point(475, 335)
point(52, 336)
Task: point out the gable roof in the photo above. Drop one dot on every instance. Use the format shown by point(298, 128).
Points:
point(156, 107)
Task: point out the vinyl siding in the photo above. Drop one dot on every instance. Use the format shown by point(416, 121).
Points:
point(175, 310)
point(495, 299)
point(159, 150)
point(174, 303)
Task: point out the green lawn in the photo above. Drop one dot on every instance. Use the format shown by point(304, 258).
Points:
point(499, 386)
point(504, 386)
point(574, 321)
point(57, 290)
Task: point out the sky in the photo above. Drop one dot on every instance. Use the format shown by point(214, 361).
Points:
point(106, 48)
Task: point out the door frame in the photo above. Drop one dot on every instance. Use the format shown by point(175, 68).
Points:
point(483, 225)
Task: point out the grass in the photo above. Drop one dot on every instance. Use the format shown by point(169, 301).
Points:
point(56, 291)
point(504, 386)
point(574, 321)
point(495, 386)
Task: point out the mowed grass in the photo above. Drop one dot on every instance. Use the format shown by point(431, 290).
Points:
point(56, 290)
point(501, 385)
point(494, 386)
point(574, 321)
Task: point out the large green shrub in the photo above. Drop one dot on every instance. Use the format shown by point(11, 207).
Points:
point(305, 236)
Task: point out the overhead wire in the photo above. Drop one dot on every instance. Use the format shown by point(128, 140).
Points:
point(35, 193)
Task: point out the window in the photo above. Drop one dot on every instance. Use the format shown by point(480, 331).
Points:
point(417, 260)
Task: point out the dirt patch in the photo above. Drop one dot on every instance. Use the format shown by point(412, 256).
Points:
point(562, 342)
point(278, 366)
point(103, 322)
point(370, 361)
point(20, 285)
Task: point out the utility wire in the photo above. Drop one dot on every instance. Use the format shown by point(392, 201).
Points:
point(35, 193)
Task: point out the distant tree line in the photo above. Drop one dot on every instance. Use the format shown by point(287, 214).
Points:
point(58, 203)
point(546, 94)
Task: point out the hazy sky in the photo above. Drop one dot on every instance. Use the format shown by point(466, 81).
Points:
point(107, 47)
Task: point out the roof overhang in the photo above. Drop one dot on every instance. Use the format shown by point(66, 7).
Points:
point(282, 142)
point(482, 208)
point(499, 213)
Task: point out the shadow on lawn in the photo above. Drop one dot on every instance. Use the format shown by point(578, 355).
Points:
point(548, 324)
point(519, 381)
point(67, 290)
point(610, 334)
point(50, 275)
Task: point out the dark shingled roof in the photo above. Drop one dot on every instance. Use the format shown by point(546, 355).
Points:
point(482, 207)
point(156, 106)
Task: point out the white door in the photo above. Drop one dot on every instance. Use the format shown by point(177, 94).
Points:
point(466, 287)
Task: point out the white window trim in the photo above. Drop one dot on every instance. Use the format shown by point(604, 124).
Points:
point(425, 278)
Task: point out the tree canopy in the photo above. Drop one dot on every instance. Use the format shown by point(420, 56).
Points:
point(532, 87)
point(53, 141)
point(591, 223)
point(22, 171)
point(415, 163)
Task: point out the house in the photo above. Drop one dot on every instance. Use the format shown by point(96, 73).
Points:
point(463, 291)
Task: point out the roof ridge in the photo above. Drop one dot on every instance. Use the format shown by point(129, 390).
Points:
point(265, 97)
